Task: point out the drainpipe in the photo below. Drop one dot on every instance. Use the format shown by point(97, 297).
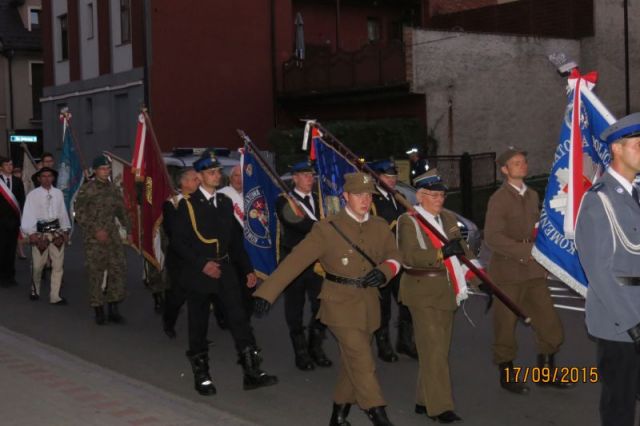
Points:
point(626, 57)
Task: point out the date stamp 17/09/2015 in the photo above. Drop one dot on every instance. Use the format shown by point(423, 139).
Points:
point(549, 375)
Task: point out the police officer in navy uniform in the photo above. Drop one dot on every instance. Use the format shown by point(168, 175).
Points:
point(608, 243)
point(386, 206)
point(294, 228)
point(209, 240)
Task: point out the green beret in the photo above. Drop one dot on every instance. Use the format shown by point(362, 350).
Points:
point(100, 160)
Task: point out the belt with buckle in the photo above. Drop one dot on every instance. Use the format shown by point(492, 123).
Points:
point(426, 272)
point(44, 226)
point(355, 282)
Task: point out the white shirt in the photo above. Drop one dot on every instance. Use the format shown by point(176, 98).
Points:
point(431, 219)
point(209, 196)
point(628, 186)
point(237, 200)
point(7, 180)
point(47, 205)
point(522, 190)
point(354, 217)
point(302, 195)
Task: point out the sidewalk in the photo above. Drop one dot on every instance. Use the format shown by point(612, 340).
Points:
point(42, 385)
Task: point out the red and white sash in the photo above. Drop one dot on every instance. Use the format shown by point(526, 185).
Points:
point(11, 199)
point(458, 274)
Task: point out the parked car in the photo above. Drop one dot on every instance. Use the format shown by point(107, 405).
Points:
point(180, 158)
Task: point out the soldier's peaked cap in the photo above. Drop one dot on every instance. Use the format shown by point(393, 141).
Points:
point(387, 167)
point(508, 154)
point(626, 127)
point(431, 181)
point(359, 183)
point(207, 161)
point(302, 166)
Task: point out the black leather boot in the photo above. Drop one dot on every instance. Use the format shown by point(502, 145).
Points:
point(201, 377)
point(100, 319)
point(385, 351)
point(378, 416)
point(446, 417)
point(508, 379)
point(316, 336)
point(254, 377)
point(158, 302)
point(168, 326)
point(547, 361)
point(339, 415)
point(114, 314)
point(405, 343)
point(303, 359)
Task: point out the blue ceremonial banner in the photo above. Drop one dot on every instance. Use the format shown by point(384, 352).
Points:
point(331, 168)
point(70, 174)
point(260, 221)
point(580, 158)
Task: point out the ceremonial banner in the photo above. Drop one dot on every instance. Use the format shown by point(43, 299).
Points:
point(580, 158)
point(123, 178)
point(148, 166)
point(70, 173)
point(260, 220)
point(331, 168)
point(28, 168)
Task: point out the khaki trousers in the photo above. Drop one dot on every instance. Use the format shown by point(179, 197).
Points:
point(39, 261)
point(432, 329)
point(357, 381)
point(535, 300)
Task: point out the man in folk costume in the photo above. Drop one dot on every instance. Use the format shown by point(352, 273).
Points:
point(293, 229)
point(608, 243)
point(512, 214)
point(11, 202)
point(359, 254)
point(210, 242)
point(385, 206)
point(433, 285)
point(46, 223)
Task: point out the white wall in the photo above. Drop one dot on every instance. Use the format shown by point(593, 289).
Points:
point(121, 54)
point(88, 43)
point(60, 68)
point(503, 90)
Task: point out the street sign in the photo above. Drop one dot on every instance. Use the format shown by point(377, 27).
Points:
point(23, 138)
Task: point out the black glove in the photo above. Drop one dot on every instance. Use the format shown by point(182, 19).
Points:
point(261, 307)
point(634, 333)
point(375, 278)
point(452, 248)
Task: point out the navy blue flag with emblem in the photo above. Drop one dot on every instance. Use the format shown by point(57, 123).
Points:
point(579, 159)
point(260, 221)
point(70, 176)
point(331, 168)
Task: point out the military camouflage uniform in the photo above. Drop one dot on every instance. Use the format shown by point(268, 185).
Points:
point(97, 205)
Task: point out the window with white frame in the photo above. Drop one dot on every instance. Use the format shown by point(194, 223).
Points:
point(34, 18)
point(63, 24)
point(90, 27)
point(125, 21)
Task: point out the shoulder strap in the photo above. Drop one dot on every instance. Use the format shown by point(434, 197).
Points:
point(355, 247)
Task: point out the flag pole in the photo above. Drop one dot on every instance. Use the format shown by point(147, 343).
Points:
point(147, 119)
point(271, 173)
point(361, 165)
point(66, 116)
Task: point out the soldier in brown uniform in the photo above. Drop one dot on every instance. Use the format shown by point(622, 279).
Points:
point(512, 214)
point(432, 286)
point(359, 254)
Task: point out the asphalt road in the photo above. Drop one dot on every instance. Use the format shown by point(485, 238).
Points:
point(140, 350)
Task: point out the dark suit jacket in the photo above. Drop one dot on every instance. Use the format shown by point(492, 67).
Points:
point(8, 218)
point(211, 223)
point(292, 228)
point(386, 209)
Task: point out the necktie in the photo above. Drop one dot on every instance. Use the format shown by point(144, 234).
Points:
point(634, 194)
point(438, 220)
point(307, 202)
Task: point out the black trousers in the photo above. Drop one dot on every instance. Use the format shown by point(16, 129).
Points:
point(619, 370)
point(307, 285)
point(230, 296)
point(385, 303)
point(8, 245)
point(175, 295)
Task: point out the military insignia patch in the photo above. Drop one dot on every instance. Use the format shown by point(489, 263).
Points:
point(365, 179)
point(249, 170)
point(256, 229)
point(345, 261)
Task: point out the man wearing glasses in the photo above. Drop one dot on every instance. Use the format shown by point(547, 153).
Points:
point(45, 222)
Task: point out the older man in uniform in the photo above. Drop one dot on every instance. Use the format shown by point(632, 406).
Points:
point(385, 206)
point(45, 222)
point(98, 204)
point(209, 241)
point(432, 286)
point(608, 242)
point(294, 228)
point(512, 214)
point(359, 254)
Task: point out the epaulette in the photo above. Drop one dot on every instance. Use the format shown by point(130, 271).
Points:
point(597, 187)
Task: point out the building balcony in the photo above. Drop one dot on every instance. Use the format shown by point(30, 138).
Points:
point(375, 67)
